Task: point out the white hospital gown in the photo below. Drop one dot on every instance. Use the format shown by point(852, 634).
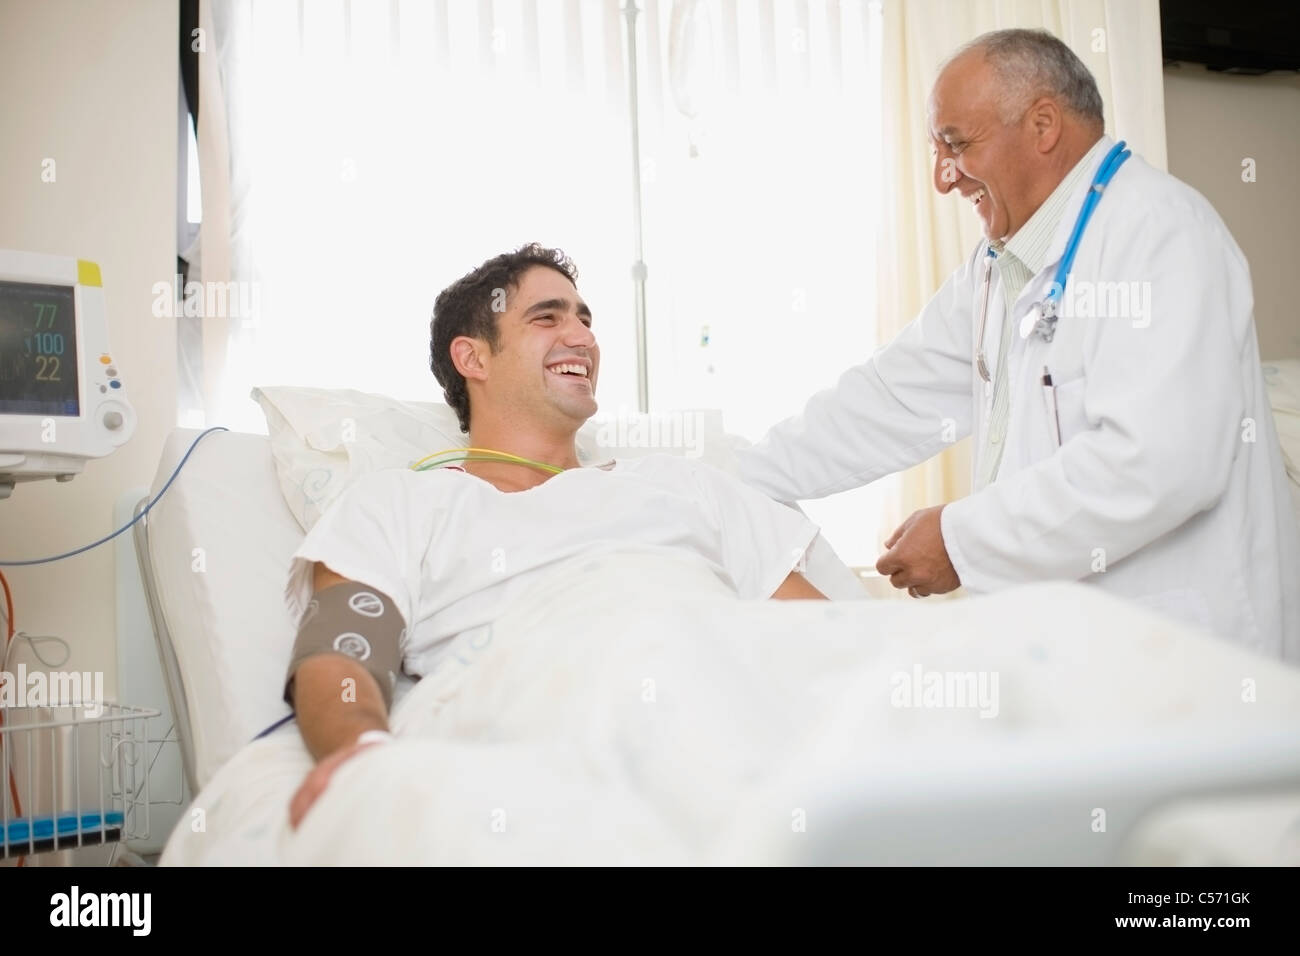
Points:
point(452, 551)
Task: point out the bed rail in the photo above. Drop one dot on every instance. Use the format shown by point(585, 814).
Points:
point(171, 670)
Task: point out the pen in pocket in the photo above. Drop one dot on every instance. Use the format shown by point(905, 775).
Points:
point(1053, 414)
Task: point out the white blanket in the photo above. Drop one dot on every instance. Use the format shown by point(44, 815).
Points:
point(632, 711)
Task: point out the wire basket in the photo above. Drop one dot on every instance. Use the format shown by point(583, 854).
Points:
point(73, 776)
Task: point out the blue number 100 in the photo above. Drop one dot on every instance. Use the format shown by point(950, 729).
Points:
point(49, 343)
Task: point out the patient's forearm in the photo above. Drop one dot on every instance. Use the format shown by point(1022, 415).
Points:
point(336, 700)
point(796, 587)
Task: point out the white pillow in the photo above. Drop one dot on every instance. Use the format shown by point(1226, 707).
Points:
point(324, 439)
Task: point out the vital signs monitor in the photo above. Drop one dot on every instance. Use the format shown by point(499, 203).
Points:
point(62, 400)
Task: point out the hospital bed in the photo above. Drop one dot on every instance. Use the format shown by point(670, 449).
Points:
point(1197, 780)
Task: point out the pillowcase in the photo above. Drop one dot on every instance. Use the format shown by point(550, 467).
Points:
point(324, 439)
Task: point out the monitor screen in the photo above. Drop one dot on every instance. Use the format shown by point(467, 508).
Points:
point(38, 350)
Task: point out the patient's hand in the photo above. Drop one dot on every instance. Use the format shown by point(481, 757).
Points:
point(917, 558)
point(331, 722)
point(316, 782)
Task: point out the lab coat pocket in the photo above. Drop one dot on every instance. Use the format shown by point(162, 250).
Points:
point(1070, 413)
point(1053, 417)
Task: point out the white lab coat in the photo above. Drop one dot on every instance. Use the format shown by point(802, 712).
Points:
point(1168, 487)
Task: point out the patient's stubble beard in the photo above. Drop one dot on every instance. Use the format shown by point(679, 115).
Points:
point(575, 400)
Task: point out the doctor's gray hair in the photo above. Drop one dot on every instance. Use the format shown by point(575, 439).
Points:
point(1033, 63)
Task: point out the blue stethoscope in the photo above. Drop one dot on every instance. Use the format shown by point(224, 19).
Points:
point(1041, 320)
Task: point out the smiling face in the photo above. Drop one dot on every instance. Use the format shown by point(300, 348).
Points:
point(544, 369)
point(986, 161)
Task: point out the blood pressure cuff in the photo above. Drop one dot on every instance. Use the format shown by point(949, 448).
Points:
point(355, 620)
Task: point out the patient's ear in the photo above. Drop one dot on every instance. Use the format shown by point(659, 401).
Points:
point(467, 355)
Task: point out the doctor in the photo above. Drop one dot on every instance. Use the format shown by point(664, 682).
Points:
point(1112, 385)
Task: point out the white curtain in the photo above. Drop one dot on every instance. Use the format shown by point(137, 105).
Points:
point(379, 149)
point(761, 159)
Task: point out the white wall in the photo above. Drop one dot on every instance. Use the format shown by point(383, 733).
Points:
point(92, 86)
point(1213, 122)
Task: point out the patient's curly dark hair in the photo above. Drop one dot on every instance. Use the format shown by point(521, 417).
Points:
point(465, 308)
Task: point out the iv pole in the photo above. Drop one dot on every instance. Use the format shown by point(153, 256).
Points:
point(630, 11)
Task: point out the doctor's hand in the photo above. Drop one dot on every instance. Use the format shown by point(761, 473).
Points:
point(916, 558)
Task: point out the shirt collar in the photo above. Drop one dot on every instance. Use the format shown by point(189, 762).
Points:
point(1037, 238)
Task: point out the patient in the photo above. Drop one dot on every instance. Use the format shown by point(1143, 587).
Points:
point(407, 560)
